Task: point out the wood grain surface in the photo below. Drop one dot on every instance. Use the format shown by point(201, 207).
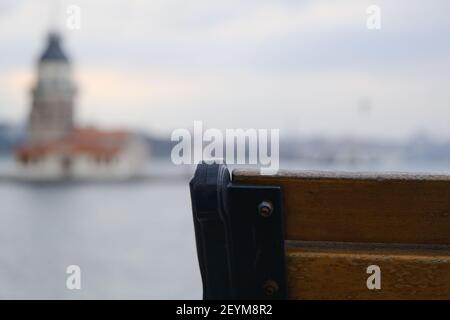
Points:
point(361, 207)
point(339, 271)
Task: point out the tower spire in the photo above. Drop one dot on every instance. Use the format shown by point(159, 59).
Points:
point(54, 51)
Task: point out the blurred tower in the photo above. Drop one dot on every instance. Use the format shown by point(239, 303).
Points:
point(55, 148)
point(51, 116)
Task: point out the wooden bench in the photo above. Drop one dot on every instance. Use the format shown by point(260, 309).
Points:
point(320, 235)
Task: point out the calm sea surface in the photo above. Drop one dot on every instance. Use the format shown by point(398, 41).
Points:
point(132, 240)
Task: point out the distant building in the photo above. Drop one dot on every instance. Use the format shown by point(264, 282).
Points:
point(52, 110)
point(54, 147)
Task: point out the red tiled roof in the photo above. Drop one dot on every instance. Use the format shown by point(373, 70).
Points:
point(90, 141)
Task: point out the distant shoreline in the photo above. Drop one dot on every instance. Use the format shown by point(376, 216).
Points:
point(147, 178)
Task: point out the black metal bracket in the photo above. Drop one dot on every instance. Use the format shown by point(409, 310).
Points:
point(239, 236)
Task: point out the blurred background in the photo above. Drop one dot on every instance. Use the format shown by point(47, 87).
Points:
point(345, 97)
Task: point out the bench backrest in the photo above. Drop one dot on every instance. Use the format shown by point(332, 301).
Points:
point(349, 236)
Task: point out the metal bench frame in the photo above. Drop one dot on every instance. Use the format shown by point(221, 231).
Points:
point(239, 236)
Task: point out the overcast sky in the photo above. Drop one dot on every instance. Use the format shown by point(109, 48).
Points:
point(306, 67)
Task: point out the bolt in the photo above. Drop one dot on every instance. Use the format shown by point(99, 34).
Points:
point(270, 287)
point(265, 209)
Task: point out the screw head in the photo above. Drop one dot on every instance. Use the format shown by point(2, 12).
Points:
point(265, 209)
point(270, 288)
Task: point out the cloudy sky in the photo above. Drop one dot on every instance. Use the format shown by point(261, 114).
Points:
point(306, 67)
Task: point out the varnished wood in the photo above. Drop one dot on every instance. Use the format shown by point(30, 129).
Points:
point(385, 208)
point(338, 271)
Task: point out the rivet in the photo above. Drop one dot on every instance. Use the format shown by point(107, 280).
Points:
point(270, 288)
point(265, 209)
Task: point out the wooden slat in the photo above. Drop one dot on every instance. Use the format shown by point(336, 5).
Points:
point(331, 273)
point(395, 208)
